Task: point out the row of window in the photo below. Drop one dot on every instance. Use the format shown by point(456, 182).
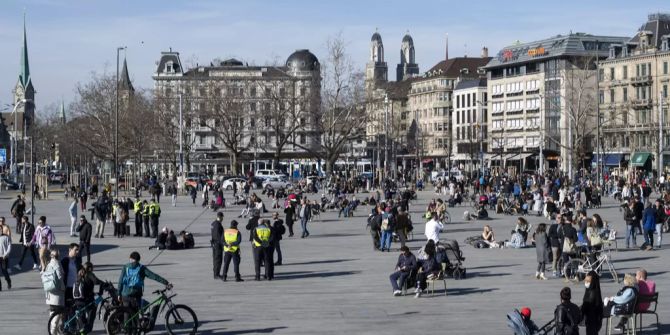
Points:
point(469, 133)
point(641, 93)
point(236, 91)
point(513, 142)
point(516, 87)
point(641, 70)
point(516, 123)
point(469, 100)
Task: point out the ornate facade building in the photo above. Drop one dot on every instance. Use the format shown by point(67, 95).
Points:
point(274, 108)
point(633, 98)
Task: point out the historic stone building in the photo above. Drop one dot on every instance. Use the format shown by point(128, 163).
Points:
point(634, 82)
point(542, 98)
point(267, 98)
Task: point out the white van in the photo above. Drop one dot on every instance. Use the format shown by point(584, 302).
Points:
point(265, 174)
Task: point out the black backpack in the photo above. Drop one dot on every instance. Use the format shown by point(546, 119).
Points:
point(189, 241)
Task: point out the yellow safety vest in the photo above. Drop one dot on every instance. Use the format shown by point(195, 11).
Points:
point(137, 206)
point(263, 234)
point(230, 236)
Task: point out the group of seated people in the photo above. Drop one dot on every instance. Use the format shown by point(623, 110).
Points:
point(411, 270)
point(168, 240)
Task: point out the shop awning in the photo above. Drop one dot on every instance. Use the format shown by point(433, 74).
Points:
point(639, 158)
point(608, 159)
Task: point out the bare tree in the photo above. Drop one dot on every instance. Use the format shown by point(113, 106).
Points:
point(342, 117)
point(166, 134)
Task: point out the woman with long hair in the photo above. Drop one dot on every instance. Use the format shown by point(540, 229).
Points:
point(541, 249)
point(592, 304)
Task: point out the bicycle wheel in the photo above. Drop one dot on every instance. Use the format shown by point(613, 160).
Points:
point(613, 273)
point(573, 270)
point(181, 319)
point(56, 324)
point(116, 322)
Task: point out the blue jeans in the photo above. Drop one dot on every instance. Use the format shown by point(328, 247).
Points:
point(303, 224)
point(394, 279)
point(631, 231)
point(385, 242)
point(659, 232)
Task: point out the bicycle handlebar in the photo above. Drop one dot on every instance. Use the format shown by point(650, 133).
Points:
point(168, 287)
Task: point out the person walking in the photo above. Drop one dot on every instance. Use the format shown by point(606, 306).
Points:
point(541, 250)
point(138, 208)
point(154, 213)
point(103, 208)
point(649, 225)
point(277, 231)
point(375, 222)
point(26, 236)
point(387, 227)
point(44, 239)
point(232, 239)
point(217, 244)
point(290, 218)
point(85, 231)
point(660, 219)
point(173, 193)
point(17, 210)
point(5, 250)
point(629, 217)
point(556, 244)
point(433, 228)
point(592, 304)
point(131, 281)
point(402, 225)
point(83, 198)
point(73, 216)
point(262, 236)
point(305, 213)
point(194, 194)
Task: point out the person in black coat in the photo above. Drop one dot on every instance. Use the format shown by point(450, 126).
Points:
point(68, 279)
point(375, 222)
point(567, 231)
point(638, 209)
point(567, 315)
point(217, 244)
point(277, 231)
point(89, 280)
point(592, 304)
point(290, 215)
point(85, 231)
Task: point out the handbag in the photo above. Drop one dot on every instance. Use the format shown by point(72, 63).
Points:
point(595, 239)
point(568, 246)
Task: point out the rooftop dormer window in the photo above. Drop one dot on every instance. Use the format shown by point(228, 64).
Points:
point(169, 67)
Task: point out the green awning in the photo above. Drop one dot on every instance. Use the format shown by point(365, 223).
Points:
point(639, 158)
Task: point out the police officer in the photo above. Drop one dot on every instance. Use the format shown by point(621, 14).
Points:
point(217, 244)
point(154, 213)
point(138, 208)
point(145, 217)
point(262, 237)
point(232, 239)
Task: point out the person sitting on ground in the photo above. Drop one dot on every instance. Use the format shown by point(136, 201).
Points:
point(186, 240)
point(403, 268)
point(161, 240)
point(567, 315)
point(482, 214)
point(523, 227)
point(646, 288)
point(171, 242)
point(516, 241)
point(623, 303)
point(488, 238)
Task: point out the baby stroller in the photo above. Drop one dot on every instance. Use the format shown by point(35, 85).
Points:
point(515, 322)
point(455, 259)
point(595, 199)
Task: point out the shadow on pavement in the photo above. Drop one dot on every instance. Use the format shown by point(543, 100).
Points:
point(281, 276)
point(486, 274)
point(635, 259)
point(466, 291)
point(248, 331)
point(321, 262)
point(493, 266)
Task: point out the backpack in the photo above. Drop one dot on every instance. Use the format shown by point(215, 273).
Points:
point(78, 289)
point(132, 278)
point(44, 235)
point(189, 241)
point(385, 224)
point(50, 281)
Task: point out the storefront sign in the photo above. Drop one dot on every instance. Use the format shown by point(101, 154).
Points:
point(535, 52)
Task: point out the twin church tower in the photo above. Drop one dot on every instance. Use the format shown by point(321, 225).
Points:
point(377, 70)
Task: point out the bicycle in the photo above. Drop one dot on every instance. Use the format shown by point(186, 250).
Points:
point(71, 321)
point(179, 319)
point(576, 269)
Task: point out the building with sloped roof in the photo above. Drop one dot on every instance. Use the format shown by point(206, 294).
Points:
point(633, 98)
point(542, 102)
point(257, 93)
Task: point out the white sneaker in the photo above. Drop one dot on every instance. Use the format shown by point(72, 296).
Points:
point(36, 267)
point(397, 293)
point(418, 294)
point(17, 267)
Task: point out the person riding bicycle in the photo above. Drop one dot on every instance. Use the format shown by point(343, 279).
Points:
point(131, 281)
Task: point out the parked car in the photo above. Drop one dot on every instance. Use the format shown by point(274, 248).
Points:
point(265, 174)
point(228, 183)
point(276, 183)
point(10, 185)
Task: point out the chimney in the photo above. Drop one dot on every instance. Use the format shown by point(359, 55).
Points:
point(446, 55)
point(485, 52)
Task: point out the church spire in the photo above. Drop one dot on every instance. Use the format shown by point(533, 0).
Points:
point(124, 80)
point(24, 76)
point(61, 113)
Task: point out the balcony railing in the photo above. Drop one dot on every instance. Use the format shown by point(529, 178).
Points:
point(641, 80)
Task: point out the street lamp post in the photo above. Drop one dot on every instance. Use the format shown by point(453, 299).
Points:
point(116, 127)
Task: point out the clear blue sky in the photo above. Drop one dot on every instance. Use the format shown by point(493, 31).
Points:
point(69, 39)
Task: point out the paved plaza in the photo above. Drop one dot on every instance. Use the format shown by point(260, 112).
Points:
point(331, 282)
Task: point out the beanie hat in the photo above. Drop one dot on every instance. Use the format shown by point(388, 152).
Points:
point(525, 312)
point(233, 224)
point(135, 255)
